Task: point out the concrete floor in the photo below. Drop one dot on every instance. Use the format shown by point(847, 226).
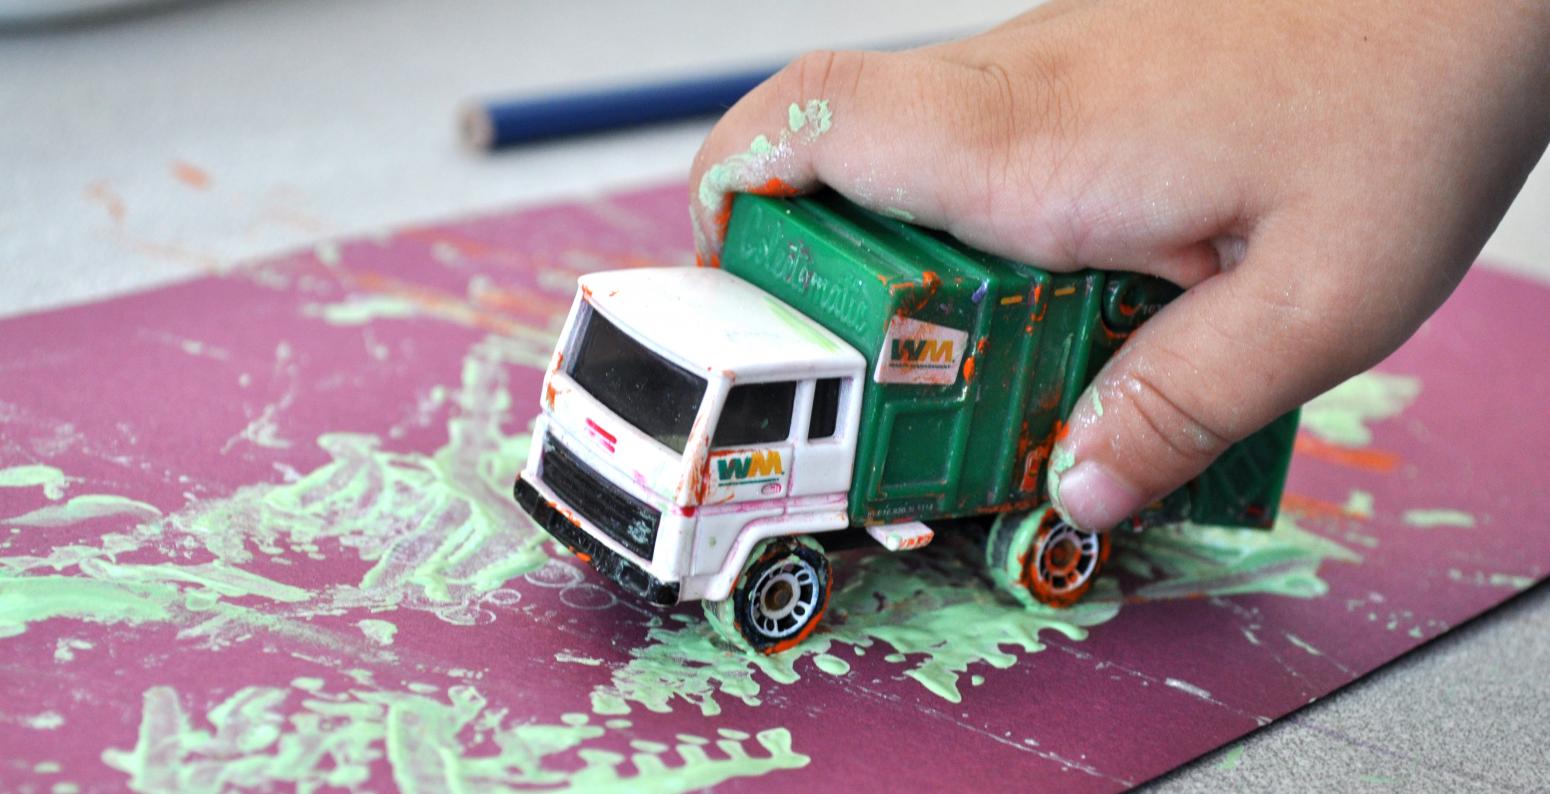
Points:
point(158, 147)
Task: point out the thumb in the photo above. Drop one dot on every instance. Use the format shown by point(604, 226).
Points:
point(1224, 359)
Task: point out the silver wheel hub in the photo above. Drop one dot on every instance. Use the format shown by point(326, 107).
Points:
point(784, 598)
point(1067, 558)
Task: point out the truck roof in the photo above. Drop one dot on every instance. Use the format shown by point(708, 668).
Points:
point(717, 322)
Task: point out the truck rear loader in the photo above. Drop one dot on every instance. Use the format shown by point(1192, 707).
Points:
point(705, 432)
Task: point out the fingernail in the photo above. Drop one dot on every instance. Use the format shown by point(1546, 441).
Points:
point(1089, 496)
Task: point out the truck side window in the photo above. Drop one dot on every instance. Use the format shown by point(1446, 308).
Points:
point(756, 413)
point(826, 409)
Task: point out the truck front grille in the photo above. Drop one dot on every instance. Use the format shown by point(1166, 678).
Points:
point(625, 518)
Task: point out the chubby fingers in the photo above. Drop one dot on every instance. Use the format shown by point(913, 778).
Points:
point(885, 129)
point(1224, 359)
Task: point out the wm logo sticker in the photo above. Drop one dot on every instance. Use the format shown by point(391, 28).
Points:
point(753, 467)
point(923, 352)
point(920, 352)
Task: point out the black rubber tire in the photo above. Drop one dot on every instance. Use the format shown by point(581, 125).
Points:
point(733, 618)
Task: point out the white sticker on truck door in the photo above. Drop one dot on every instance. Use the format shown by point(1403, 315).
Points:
point(920, 352)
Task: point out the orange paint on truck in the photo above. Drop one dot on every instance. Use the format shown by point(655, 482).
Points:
point(775, 187)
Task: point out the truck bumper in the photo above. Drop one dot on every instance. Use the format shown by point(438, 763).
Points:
point(606, 561)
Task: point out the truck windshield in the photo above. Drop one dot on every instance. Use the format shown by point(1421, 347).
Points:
point(655, 395)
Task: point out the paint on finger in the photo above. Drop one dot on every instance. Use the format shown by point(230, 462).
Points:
point(752, 169)
point(812, 119)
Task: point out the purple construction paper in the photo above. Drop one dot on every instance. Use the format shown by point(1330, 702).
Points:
point(256, 531)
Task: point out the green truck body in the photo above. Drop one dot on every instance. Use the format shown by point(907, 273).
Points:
point(978, 443)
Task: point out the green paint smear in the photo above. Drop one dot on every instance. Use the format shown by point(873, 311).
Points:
point(85, 508)
point(51, 480)
point(379, 631)
point(1231, 758)
point(898, 214)
point(932, 608)
point(1062, 458)
point(813, 117)
point(833, 665)
point(737, 172)
point(261, 737)
point(1492, 579)
point(65, 648)
point(29, 599)
point(441, 531)
point(46, 721)
point(441, 534)
point(940, 617)
point(1190, 561)
point(799, 323)
point(1429, 519)
point(1343, 415)
point(364, 309)
point(1360, 504)
point(1303, 644)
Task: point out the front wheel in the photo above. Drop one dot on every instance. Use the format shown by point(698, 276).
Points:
point(1038, 558)
point(778, 599)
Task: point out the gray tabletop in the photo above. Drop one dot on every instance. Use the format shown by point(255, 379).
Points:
point(151, 148)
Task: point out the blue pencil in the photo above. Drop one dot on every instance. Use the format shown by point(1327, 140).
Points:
point(493, 125)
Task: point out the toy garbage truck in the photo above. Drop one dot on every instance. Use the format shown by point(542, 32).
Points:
point(706, 432)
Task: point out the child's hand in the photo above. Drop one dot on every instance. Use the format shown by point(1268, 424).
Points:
point(1319, 173)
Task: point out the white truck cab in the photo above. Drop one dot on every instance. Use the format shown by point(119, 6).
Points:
point(686, 417)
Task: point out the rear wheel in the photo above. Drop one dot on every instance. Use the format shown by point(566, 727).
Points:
point(1038, 558)
point(778, 599)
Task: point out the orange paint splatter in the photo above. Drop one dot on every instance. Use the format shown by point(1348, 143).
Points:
point(520, 301)
point(172, 253)
point(190, 174)
point(1309, 506)
point(723, 218)
point(441, 304)
point(297, 219)
point(1033, 469)
point(100, 193)
point(968, 368)
point(1374, 460)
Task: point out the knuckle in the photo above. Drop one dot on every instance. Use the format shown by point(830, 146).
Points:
point(824, 74)
point(1017, 146)
point(1180, 431)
